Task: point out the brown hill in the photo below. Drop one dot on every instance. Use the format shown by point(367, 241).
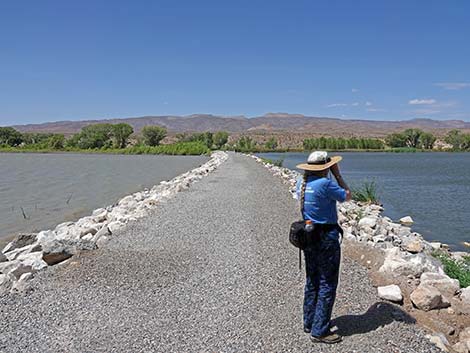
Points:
point(268, 123)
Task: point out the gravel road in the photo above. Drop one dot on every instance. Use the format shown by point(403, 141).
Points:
point(210, 271)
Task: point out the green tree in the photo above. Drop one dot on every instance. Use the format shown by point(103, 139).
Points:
point(412, 137)
point(396, 140)
point(9, 136)
point(455, 138)
point(245, 144)
point(35, 138)
point(121, 133)
point(426, 140)
point(220, 139)
point(271, 144)
point(96, 136)
point(56, 142)
point(153, 135)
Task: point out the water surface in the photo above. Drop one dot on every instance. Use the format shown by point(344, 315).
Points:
point(53, 188)
point(433, 188)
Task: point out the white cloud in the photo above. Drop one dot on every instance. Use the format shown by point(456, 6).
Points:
point(355, 104)
point(373, 110)
point(354, 90)
point(422, 101)
point(336, 105)
point(368, 104)
point(453, 86)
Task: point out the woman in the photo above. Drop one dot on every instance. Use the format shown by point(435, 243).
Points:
point(318, 194)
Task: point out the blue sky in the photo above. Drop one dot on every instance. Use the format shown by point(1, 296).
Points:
point(384, 60)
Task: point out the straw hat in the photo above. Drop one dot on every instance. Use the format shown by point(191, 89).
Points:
point(319, 160)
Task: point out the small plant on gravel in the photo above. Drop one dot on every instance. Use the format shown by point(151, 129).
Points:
point(277, 162)
point(367, 192)
point(458, 269)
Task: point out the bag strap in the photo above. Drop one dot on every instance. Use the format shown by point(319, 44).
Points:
point(302, 206)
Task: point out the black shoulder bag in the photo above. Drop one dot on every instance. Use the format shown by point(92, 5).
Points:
point(301, 238)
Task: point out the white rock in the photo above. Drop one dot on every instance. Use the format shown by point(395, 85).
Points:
point(464, 335)
point(427, 298)
point(102, 241)
point(115, 226)
point(102, 232)
point(465, 295)
point(446, 285)
point(414, 247)
point(440, 341)
point(406, 220)
point(391, 292)
point(3, 258)
point(399, 263)
point(22, 285)
point(460, 347)
point(46, 235)
point(6, 282)
point(369, 222)
point(435, 245)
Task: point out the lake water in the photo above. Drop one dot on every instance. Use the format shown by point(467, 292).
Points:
point(53, 188)
point(433, 188)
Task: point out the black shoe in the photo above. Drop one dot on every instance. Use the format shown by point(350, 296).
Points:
point(307, 329)
point(329, 338)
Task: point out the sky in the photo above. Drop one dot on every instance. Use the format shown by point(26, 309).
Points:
point(90, 59)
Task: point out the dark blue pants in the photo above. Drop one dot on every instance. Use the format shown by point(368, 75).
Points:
point(322, 267)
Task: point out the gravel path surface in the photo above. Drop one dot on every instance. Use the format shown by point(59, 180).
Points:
point(210, 271)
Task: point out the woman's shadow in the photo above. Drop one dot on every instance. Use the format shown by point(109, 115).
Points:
point(379, 314)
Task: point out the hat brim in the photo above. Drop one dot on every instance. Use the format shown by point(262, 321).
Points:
point(319, 167)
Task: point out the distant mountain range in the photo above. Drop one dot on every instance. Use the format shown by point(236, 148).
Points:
point(274, 123)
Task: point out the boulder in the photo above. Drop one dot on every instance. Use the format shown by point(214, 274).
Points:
point(22, 285)
point(3, 258)
point(460, 347)
point(12, 255)
point(56, 251)
point(465, 296)
point(404, 264)
point(435, 245)
point(407, 221)
point(30, 262)
point(20, 241)
point(391, 293)
point(440, 341)
point(427, 298)
point(464, 335)
point(45, 236)
point(104, 231)
point(414, 246)
point(102, 241)
point(369, 222)
point(6, 283)
point(446, 285)
point(115, 226)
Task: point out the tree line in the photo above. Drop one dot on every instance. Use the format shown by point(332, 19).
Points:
point(341, 143)
point(104, 136)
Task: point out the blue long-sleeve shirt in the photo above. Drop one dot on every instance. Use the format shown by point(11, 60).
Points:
point(321, 195)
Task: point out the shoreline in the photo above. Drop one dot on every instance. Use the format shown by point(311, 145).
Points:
point(31, 252)
point(402, 267)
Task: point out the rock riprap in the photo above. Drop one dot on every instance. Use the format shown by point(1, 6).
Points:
point(29, 253)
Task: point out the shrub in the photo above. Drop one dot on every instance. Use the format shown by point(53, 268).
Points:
point(460, 270)
point(367, 192)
